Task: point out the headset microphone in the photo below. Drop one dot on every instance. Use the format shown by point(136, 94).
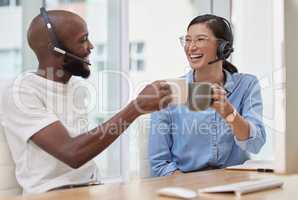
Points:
point(61, 51)
point(214, 61)
point(222, 55)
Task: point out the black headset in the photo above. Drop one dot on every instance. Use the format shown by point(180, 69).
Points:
point(57, 47)
point(225, 47)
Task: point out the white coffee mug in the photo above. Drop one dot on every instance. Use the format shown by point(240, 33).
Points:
point(179, 89)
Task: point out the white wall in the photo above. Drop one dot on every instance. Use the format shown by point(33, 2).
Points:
point(253, 25)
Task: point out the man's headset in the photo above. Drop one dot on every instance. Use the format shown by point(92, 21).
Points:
point(57, 47)
point(225, 47)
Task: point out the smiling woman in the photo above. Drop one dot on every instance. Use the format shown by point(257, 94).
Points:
point(210, 35)
point(234, 117)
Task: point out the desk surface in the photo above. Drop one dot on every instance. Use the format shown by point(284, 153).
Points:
point(145, 189)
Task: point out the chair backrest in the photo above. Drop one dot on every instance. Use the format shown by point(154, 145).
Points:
point(8, 183)
point(143, 138)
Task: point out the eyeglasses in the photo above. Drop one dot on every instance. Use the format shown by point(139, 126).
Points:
point(199, 42)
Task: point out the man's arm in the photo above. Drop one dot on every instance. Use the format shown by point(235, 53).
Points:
point(55, 138)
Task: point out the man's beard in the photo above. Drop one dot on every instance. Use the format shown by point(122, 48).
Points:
point(76, 67)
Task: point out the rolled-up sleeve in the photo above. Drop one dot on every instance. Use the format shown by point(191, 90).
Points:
point(160, 144)
point(252, 111)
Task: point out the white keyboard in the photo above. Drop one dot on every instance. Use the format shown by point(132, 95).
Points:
point(245, 186)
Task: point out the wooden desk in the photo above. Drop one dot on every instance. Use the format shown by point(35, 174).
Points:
point(145, 189)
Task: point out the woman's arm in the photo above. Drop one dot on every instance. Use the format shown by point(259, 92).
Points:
point(160, 143)
point(248, 128)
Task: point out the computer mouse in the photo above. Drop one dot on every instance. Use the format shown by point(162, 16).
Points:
point(177, 192)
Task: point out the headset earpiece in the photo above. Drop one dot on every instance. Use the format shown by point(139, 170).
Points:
point(224, 49)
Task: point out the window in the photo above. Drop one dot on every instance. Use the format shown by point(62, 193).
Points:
point(136, 56)
point(10, 2)
point(4, 2)
point(10, 62)
point(100, 56)
point(136, 59)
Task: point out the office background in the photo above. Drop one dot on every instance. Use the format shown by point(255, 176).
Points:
point(136, 42)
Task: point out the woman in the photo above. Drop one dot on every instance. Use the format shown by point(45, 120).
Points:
point(223, 135)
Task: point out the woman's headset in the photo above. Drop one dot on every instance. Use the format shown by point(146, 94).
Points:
point(225, 47)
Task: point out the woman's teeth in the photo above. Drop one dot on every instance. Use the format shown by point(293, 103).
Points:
point(196, 56)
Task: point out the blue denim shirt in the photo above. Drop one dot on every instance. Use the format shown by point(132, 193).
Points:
point(189, 141)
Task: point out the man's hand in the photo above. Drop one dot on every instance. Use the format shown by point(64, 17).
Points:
point(153, 97)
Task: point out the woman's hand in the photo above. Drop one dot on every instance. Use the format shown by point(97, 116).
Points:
point(177, 172)
point(220, 101)
point(222, 105)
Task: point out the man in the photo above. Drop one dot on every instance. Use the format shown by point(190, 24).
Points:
point(44, 122)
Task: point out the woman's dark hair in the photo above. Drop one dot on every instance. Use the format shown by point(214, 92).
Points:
point(221, 29)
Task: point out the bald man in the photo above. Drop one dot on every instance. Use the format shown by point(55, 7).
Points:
point(45, 116)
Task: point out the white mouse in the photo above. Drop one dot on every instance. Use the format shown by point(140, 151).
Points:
point(177, 192)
